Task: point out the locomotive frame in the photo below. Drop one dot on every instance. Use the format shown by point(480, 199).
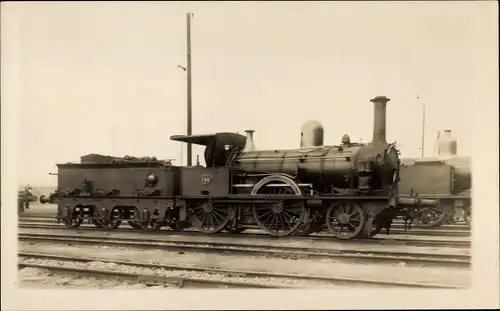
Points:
point(351, 189)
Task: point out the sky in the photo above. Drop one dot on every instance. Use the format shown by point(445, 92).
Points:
point(104, 78)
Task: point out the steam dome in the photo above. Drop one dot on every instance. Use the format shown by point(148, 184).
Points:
point(311, 134)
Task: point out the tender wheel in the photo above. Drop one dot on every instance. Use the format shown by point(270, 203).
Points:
point(73, 222)
point(345, 220)
point(210, 217)
point(431, 217)
point(116, 214)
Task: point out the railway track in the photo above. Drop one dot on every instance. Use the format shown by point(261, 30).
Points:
point(206, 277)
point(147, 279)
point(260, 250)
point(396, 226)
point(263, 236)
point(456, 231)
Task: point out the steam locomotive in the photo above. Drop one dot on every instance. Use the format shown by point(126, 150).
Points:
point(445, 177)
point(350, 189)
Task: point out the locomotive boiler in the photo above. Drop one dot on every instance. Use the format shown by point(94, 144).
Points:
point(350, 189)
point(331, 169)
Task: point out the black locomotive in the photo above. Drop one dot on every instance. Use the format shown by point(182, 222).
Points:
point(350, 189)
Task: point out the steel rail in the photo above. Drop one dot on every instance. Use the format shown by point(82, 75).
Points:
point(222, 235)
point(190, 282)
point(427, 259)
point(179, 282)
point(397, 225)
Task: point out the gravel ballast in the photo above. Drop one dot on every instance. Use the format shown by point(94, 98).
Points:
point(326, 267)
point(110, 266)
point(281, 242)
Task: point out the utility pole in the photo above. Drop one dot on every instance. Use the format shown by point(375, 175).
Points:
point(423, 129)
point(436, 145)
point(189, 125)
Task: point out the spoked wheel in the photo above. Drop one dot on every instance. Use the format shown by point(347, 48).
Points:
point(345, 220)
point(73, 222)
point(210, 217)
point(283, 217)
point(431, 217)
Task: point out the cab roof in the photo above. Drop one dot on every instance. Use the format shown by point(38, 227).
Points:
point(224, 138)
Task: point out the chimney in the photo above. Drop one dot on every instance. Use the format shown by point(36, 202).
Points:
point(249, 145)
point(447, 145)
point(379, 119)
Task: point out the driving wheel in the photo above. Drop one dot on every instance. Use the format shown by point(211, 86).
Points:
point(345, 220)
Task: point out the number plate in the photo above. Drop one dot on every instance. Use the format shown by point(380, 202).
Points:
point(205, 179)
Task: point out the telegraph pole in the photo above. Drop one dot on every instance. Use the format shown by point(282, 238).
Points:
point(188, 69)
point(423, 129)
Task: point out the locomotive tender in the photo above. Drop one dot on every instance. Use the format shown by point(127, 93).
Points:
point(350, 189)
point(445, 177)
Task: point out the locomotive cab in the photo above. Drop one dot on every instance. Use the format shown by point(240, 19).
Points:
point(218, 146)
point(214, 179)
